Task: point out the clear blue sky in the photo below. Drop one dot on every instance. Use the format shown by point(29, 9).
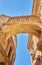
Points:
point(18, 8)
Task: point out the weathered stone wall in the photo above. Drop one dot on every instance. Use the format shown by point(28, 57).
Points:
point(33, 41)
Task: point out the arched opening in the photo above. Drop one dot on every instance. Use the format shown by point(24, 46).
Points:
point(22, 24)
point(28, 26)
point(21, 50)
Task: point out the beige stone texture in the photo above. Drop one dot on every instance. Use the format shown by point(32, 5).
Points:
point(10, 26)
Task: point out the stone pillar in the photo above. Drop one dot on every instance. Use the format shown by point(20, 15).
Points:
point(33, 41)
point(37, 8)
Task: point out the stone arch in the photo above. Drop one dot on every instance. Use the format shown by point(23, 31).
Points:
point(24, 24)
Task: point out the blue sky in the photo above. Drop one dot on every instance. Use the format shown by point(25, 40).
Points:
point(19, 8)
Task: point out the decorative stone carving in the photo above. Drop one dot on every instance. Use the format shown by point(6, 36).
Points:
point(10, 26)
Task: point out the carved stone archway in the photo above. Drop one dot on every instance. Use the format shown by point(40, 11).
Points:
point(14, 25)
point(22, 24)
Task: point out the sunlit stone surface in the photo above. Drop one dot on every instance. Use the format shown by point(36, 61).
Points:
point(10, 26)
point(34, 44)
